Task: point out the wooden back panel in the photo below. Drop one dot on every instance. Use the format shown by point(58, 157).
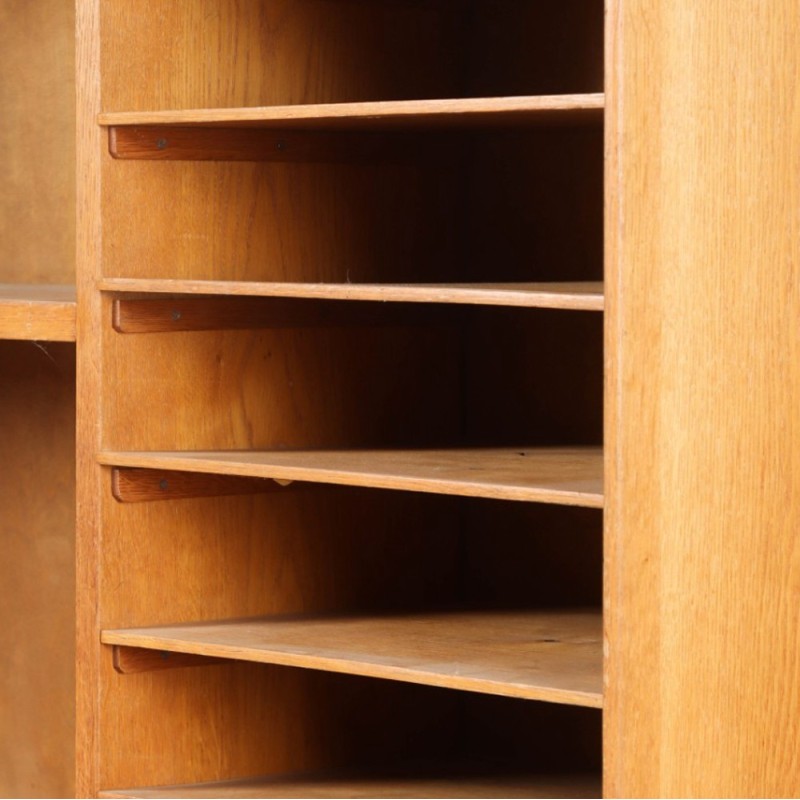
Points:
point(37, 139)
point(37, 574)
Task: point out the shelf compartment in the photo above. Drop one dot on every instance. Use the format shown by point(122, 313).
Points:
point(570, 295)
point(564, 476)
point(35, 312)
point(400, 784)
point(380, 115)
point(553, 656)
point(337, 132)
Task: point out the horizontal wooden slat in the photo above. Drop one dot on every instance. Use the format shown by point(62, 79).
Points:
point(376, 115)
point(37, 312)
point(242, 312)
point(579, 296)
point(551, 656)
point(566, 476)
point(144, 485)
point(463, 784)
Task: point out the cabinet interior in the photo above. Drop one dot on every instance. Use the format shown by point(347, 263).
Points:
point(460, 203)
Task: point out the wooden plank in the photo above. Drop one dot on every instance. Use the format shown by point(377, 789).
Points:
point(566, 476)
point(132, 660)
point(551, 656)
point(575, 295)
point(144, 485)
point(467, 783)
point(37, 312)
point(242, 312)
point(703, 403)
point(379, 115)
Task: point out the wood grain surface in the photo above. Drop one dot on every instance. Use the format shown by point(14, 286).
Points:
point(575, 295)
point(37, 398)
point(460, 783)
point(37, 573)
point(37, 139)
point(43, 312)
point(519, 206)
point(570, 476)
point(550, 656)
point(703, 402)
point(463, 112)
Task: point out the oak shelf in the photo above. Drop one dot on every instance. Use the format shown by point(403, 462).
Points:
point(37, 312)
point(407, 114)
point(564, 476)
point(392, 785)
point(553, 656)
point(575, 295)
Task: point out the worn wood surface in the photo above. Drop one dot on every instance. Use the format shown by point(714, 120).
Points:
point(703, 400)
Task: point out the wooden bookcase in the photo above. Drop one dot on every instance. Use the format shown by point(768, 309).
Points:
point(347, 335)
point(437, 391)
point(37, 398)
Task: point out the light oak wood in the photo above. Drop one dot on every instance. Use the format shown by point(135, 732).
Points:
point(703, 400)
point(37, 140)
point(37, 574)
point(388, 785)
point(575, 295)
point(503, 206)
point(570, 476)
point(37, 398)
point(461, 112)
point(40, 312)
point(552, 656)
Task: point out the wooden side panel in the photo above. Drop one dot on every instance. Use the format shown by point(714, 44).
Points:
point(703, 302)
point(37, 140)
point(37, 576)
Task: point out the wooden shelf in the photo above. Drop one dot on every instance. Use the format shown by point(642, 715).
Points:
point(553, 656)
point(37, 312)
point(576, 296)
point(375, 115)
point(392, 786)
point(565, 476)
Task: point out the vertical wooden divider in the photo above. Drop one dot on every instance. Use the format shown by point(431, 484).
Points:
point(703, 399)
point(90, 149)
